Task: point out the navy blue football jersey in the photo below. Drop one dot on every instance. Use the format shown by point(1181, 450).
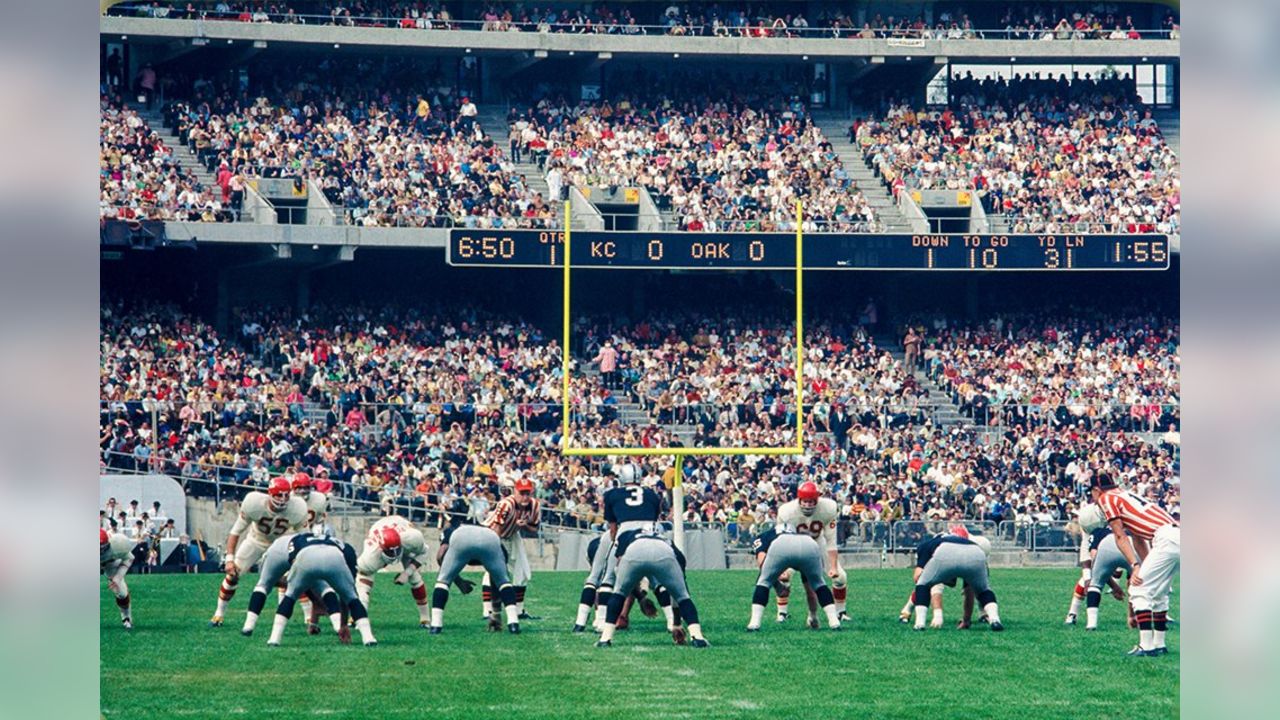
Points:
point(926, 549)
point(764, 540)
point(631, 503)
point(1098, 536)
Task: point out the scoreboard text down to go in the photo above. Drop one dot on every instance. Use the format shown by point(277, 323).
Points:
point(827, 251)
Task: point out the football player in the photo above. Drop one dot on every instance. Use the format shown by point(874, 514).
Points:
point(629, 506)
point(266, 516)
point(317, 502)
point(815, 516)
point(513, 515)
point(462, 545)
point(328, 565)
point(935, 592)
point(947, 558)
point(272, 568)
point(1107, 561)
point(643, 552)
point(640, 595)
point(781, 549)
point(395, 538)
point(115, 556)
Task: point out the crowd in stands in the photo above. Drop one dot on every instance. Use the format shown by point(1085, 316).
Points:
point(1017, 21)
point(386, 141)
point(416, 411)
point(721, 160)
point(139, 178)
point(1055, 155)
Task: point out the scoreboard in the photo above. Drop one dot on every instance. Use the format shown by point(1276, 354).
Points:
point(825, 251)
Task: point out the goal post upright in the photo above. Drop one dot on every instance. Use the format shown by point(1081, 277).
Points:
point(679, 453)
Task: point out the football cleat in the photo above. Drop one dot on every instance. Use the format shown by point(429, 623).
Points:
point(215, 621)
point(843, 616)
point(127, 623)
point(648, 607)
point(904, 617)
point(526, 616)
point(983, 618)
point(918, 626)
point(604, 643)
point(812, 623)
point(753, 628)
point(371, 643)
point(424, 624)
point(678, 635)
point(1137, 651)
point(837, 627)
point(997, 627)
point(1071, 619)
point(1090, 628)
point(434, 630)
point(271, 643)
point(579, 628)
point(700, 643)
point(246, 632)
point(513, 628)
point(1156, 652)
point(495, 625)
point(782, 616)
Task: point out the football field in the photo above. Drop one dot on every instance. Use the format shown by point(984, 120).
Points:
point(173, 665)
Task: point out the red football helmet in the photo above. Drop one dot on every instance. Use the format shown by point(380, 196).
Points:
point(280, 490)
point(524, 485)
point(959, 531)
point(808, 494)
point(389, 540)
point(302, 484)
point(103, 538)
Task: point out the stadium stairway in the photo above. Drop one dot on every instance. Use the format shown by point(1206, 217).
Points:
point(181, 152)
point(632, 414)
point(1170, 122)
point(493, 120)
point(938, 405)
point(835, 125)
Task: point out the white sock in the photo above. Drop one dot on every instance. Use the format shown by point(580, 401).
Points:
point(1075, 605)
point(607, 633)
point(335, 619)
point(222, 608)
point(584, 613)
point(757, 614)
point(1157, 638)
point(487, 607)
point(424, 612)
point(906, 609)
point(513, 614)
point(1146, 639)
point(519, 608)
point(833, 617)
point(306, 609)
point(277, 628)
point(671, 617)
point(920, 612)
point(1091, 615)
point(695, 631)
point(602, 607)
point(937, 618)
point(437, 617)
point(993, 612)
point(366, 632)
point(250, 621)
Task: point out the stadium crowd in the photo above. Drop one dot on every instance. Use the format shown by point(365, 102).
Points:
point(387, 143)
point(721, 160)
point(421, 411)
point(945, 20)
point(1054, 155)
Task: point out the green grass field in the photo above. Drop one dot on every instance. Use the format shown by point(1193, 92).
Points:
point(172, 665)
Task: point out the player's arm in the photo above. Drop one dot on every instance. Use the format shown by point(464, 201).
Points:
point(233, 540)
point(1117, 592)
point(1124, 542)
point(444, 547)
point(535, 517)
point(833, 555)
point(613, 531)
point(967, 618)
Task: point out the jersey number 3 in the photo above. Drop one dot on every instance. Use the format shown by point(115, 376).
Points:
point(635, 497)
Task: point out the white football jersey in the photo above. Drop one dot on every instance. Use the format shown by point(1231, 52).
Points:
point(266, 524)
point(821, 525)
point(412, 545)
point(118, 548)
point(317, 508)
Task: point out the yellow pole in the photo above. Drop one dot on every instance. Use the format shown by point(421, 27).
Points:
point(799, 325)
point(677, 504)
point(564, 350)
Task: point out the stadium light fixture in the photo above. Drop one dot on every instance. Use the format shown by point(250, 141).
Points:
point(679, 453)
point(604, 56)
point(675, 55)
point(260, 44)
point(570, 53)
point(540, 54)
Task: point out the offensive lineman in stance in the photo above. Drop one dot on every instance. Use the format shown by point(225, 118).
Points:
point(390, 539)
point(947, 558)
point(1107, 563)
point(628, 507)
point(322, 564)
point(514, 514)
point(815, 516)
point(266, 516)
point(463, 545)
point(784, 549)
point(272, 568)
point(643, 552)
point(115, 556)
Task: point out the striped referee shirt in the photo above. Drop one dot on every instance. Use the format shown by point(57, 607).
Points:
point(1140, 517)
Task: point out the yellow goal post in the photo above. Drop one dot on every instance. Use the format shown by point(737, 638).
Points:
point(680, 453)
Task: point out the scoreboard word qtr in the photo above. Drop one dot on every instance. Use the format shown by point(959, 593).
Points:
point(825, 251)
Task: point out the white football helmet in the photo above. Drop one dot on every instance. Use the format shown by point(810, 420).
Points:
point(981, 542)
point(1091, 517)
point(626, 472)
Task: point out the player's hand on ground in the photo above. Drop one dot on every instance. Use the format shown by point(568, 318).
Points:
point(1117, 593)
point(344, 636)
